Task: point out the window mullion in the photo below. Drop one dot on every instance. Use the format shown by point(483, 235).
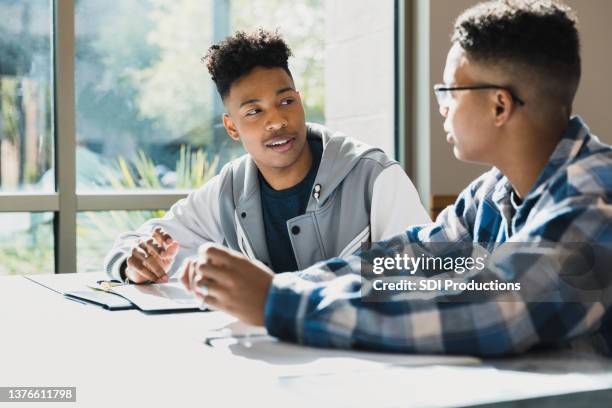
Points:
point(64, 130)
point(20, 202)
point(128, 201)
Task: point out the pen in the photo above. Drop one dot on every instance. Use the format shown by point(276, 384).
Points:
point(108, 285)
point(208, 341)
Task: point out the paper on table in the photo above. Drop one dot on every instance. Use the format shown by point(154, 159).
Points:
point(287, 360)
point(67, 282)
point(158, 297)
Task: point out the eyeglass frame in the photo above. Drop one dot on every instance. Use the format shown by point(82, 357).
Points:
point(439, 88)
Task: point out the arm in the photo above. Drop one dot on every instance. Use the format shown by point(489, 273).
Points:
point(191, 221)
point(333, 314)
point(240, 286)
point(395, 204)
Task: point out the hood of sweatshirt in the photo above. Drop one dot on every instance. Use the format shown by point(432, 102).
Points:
point(340, 155)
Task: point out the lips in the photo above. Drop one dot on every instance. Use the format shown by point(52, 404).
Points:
point(280, 143)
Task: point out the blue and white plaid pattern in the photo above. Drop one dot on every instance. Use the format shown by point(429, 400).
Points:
point(570, 202)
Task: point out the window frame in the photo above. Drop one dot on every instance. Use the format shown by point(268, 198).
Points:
point(66, 202)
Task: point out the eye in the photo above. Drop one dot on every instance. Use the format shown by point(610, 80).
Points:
point(287, 101)
point(252, 112)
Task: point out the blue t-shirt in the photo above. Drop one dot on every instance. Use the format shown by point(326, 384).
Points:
point(279, 206)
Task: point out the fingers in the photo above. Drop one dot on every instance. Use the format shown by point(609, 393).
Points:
point(150, 247)
point(212, 303)
point(213, 272)
point(214, 297)
point(172, 250)
point(220, 256)
point(188, 269)
point(168, 246)
point(143, 266)
point(206, 288)
point(136, 270)
point(161, 237)
point(183, 278)
point(196, 273)
point(151, 260)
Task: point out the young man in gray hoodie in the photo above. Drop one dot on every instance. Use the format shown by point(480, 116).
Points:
point(302, 193)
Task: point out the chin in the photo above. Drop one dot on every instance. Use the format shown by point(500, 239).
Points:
point(458, 153)
point(283, 163)
point(469, 158)
point(463, 156)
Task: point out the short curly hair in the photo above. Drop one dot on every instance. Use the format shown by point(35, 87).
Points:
point(541, 35)
point(237, 55)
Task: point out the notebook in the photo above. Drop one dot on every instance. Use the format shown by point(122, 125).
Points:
point(106, 300)
point(159, 297)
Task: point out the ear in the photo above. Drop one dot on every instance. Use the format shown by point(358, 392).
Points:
point(503, 105)
point(230, 127)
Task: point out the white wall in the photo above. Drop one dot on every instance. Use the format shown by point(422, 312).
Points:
point(359, 80)
point(448, 175)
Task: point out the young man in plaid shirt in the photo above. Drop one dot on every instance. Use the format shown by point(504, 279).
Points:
point(510, 78)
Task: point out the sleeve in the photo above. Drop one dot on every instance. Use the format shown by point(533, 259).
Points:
point(191, 221)
point(335, 314)
point(396, 204)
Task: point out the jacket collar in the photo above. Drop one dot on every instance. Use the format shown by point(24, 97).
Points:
point(340, 155)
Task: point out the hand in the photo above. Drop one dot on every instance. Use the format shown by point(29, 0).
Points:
point(227, 280)
point(151, 259)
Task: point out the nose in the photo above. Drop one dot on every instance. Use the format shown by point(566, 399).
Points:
point(443, 110)
point(275, 121)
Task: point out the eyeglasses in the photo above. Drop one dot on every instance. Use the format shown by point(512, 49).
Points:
point(443, 94)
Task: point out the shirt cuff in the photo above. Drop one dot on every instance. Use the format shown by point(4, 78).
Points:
point(285, 306)
point(115, 267)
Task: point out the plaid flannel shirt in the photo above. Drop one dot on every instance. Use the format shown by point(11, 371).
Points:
point(570, 202)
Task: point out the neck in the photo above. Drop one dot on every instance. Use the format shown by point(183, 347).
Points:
point(286, 177)
point(528, 153)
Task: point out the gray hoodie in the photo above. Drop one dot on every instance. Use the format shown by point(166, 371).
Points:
point(359, 195)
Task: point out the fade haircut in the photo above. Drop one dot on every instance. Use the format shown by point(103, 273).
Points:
point(237, 55)
point(532, 38)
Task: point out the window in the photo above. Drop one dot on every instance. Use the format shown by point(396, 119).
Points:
point(26, 243)
point(26, 137)
point(97, 231)
point(132, 117)
point(144, 100)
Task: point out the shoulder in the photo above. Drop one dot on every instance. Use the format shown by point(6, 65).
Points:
point(226, 176)
point(588, 174)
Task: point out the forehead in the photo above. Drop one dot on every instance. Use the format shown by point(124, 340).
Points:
point(259, 83)
point(458, 67)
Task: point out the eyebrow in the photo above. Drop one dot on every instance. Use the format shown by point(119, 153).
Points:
point(254, 100)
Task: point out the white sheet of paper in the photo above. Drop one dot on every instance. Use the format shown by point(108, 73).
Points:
point(158, 296)
point(68, 282)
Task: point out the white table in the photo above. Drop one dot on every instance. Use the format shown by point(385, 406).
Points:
point(127, 358)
